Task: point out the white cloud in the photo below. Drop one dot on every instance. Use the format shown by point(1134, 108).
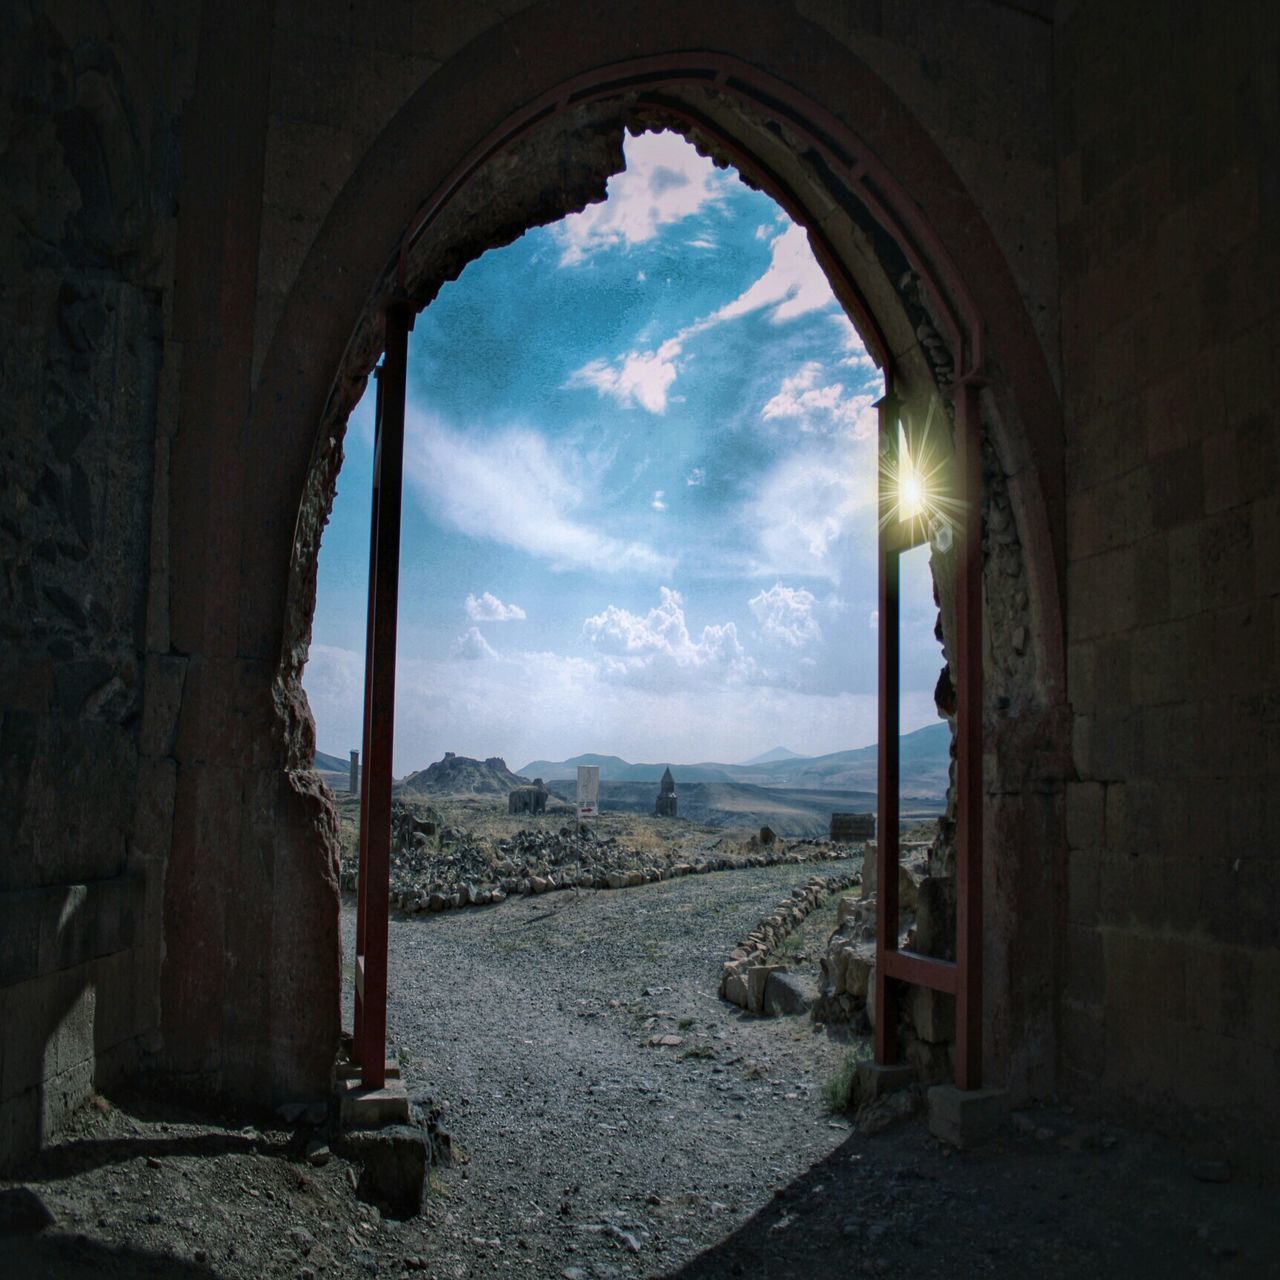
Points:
point(856, 354)
point(472, 645)
point(806, 508)
point(488, 608)
point(639, 378)
point(785, 615)
point(792, 285)
point(762, 231)
point(665, 181)
point(641, 277)
point(873, 620)
point(814, 407)
point(695, 477)
point(658, 503)
point(656, 649)
point(702, 242)
point(508, 486)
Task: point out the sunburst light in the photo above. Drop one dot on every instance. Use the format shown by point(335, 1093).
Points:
point(914, 484)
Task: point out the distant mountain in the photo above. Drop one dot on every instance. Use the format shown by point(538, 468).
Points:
point(610, 766)
point(331, 764)
point(778, 753)
point(924, 757)
point(461, 776)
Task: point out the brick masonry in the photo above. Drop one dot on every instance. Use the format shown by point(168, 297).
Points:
point(1167, 122)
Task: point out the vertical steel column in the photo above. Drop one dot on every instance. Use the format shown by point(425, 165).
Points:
point(886, 1045)
point(362, 862)
point(380, 660)
point(969, 704)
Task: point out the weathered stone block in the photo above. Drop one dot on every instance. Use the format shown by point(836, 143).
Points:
point(933, 1014)
point(757, 980)
point(735, 989)
point(787, 993)
point(966, 1118)
point(394, 1162)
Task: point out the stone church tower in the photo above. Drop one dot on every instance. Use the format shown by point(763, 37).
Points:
point(666, 804)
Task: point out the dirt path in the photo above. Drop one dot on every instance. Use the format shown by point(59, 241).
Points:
point(588, 1143)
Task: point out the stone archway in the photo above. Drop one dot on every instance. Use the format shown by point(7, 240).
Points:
point(538, 141)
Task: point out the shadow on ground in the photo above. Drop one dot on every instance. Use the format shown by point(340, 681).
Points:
point(1099, 1202)
point(61, 1257)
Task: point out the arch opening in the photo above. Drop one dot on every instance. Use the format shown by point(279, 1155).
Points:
point(915, 317)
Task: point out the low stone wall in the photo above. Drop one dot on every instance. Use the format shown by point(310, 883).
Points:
point(514, 879)
point(745, 978)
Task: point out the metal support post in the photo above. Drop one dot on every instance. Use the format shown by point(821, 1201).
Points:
point(379, 727)
point(886, 1017)
point(969, 702)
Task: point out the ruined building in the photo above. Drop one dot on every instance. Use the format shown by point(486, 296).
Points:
point(665, 805)
point(1066, 210)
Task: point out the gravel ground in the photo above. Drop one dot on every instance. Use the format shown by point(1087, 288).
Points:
point(589, 1144)
point(589, 1152)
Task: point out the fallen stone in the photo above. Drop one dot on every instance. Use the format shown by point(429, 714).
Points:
point(788, 993)
point(317, 1153)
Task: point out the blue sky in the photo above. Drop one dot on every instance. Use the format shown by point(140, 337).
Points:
point(640, 483)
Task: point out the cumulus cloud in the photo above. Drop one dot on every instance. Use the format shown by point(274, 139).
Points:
point(665, 181)
point(510, 487)
point(638, 378)
point(659, 502)
point(488, 608)
point(453, 704)
point(806, 402)
point(785, 615)
point(472, 646)
point(656, 649)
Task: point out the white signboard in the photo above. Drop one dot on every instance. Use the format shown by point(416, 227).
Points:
point(588, 790)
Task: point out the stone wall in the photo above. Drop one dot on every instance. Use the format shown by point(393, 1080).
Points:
point(88, 152)
point(1168, 133)
point(200, 208)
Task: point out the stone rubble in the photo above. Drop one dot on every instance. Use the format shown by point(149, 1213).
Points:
point(449, 868)
point(745, 976)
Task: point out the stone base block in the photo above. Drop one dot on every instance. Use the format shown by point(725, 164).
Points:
point(966, 1117)
point(361, 1108)
point(874, 1080)
point(348, 1070)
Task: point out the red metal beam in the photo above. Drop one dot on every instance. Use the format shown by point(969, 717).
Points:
point(969, 702)
point(920, 971)
point(886, 1019)
point(362, 862)
point(380, 667)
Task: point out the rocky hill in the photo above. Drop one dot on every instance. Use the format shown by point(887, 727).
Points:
point(461, 776)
